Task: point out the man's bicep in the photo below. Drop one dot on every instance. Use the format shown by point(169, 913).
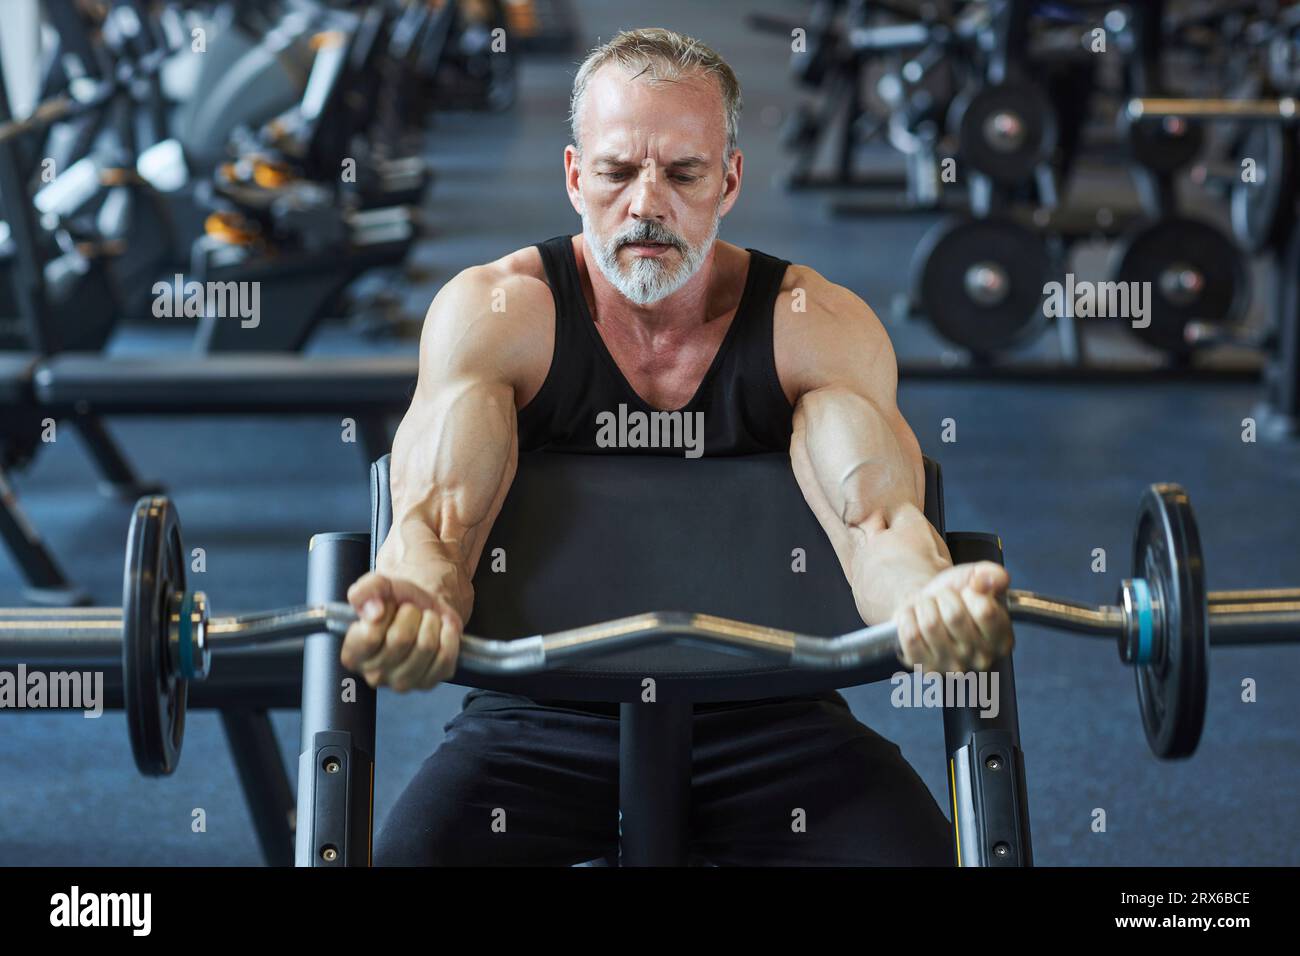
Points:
point(852, 456)
point(455, 452)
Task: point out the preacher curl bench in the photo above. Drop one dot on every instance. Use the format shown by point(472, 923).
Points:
point(594, 538)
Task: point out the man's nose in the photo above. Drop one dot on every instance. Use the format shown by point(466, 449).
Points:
point(647, 196)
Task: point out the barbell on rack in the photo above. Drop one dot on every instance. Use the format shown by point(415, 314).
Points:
point(1262, 207)
point(1153, 107)
point(164, 636)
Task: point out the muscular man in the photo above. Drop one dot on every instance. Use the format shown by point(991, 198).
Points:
point(650, 309)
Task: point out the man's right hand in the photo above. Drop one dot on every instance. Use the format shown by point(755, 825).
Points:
point(404, 636)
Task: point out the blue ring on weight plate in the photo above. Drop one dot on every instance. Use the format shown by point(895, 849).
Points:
point(184, 636)
point(1146, 621)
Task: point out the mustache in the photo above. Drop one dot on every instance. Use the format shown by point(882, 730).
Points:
point(649, 231)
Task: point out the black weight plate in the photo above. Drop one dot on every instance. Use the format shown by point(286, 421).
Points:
point(1175, 241)
point(1010, 163)
point(154, 698)
point(941, 267)
point(1172, 688)
point(1263, 210)
point(1155, 147)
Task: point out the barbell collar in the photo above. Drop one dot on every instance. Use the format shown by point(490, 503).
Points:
point(1142, 632)
point(188, 649)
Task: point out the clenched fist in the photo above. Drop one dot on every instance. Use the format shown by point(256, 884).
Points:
point(959, 621)
point(404, 637)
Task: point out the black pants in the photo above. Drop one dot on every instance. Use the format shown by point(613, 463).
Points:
point(520, 783)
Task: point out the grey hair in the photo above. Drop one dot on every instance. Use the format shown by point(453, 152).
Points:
point(665, 55)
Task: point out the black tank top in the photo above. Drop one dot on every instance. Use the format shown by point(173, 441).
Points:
point(744, 411)
point(742, 407)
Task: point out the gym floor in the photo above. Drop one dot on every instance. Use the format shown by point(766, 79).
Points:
point(1055, 470)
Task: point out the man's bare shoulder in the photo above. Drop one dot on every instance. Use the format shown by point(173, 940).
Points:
point(497, 317)
point(519, 274)
point(826, 333)
point(805, 290)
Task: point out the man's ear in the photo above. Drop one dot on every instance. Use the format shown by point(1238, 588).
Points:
point(732, 177)
point(572, 177)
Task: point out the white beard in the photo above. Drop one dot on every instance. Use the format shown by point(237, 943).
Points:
point(647, 279)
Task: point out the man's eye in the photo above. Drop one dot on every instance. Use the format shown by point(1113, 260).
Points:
point(623, 175)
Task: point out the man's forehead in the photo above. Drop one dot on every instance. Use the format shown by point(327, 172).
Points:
point(616, 123)
point(613, 87)
point(652, 74)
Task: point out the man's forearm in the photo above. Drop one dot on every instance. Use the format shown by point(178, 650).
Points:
point(412, 552)
point(895, 554)
point(453, 459)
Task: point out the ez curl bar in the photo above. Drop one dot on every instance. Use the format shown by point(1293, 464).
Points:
point(1163, 623)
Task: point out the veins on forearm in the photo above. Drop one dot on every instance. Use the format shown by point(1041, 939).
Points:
point(440, 565)
point(895, 553)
